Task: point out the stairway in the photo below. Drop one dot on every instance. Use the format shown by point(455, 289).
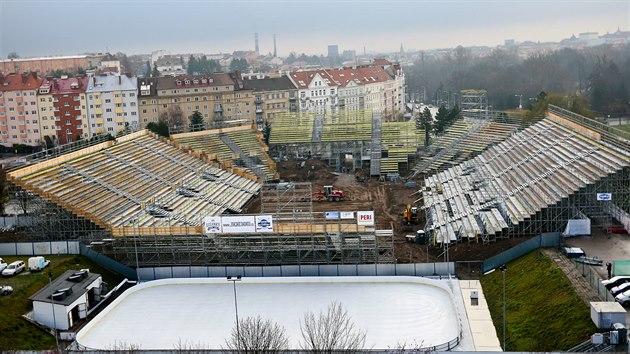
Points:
point(246, 160)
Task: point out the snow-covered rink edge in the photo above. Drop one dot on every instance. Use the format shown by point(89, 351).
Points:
point(199, 312)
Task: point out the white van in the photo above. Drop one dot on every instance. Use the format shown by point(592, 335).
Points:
point(13, 269)
point(35, 264)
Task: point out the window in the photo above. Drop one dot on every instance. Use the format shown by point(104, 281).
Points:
point(108, 110)
point(108, 100)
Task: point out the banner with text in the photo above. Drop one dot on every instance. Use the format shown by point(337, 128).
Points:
point(212, 224)
point(264, 223)
point(238, 224)
point(365, 218)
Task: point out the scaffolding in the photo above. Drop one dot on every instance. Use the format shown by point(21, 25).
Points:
point(300, 237)
point(474, 103)
point(381, 147)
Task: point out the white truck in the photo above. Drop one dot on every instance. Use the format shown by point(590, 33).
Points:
point(35, 264)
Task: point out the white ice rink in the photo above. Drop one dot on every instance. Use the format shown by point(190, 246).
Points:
point(200, 312)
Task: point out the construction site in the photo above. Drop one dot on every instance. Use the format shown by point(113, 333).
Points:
point(475, 190)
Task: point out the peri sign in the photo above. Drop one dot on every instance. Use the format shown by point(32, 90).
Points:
point(365, 218)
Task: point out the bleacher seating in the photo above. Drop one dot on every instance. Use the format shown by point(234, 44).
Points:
point(463, 140)
point(247, 146)
point(513, 180)
point(141, 181)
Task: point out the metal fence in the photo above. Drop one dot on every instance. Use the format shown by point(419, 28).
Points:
point(413, 269)
point(39, 248)
point(545, 240)
point(594, 280)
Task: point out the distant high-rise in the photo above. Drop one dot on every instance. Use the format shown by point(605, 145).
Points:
point(256, 40)
point(275, 53)
point(333, 51)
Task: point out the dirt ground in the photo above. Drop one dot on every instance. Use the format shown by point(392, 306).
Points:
point(388, 200)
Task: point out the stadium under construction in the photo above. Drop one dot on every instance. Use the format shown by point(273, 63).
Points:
point(143, 200)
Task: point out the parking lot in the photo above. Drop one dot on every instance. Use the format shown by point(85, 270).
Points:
point(607, 247)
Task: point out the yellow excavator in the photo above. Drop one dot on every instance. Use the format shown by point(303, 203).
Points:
point(410, 215)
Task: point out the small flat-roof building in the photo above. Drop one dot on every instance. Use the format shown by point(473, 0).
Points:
point(67, 299)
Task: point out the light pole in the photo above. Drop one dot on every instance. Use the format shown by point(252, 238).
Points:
point(503, 269)
point(520, 101)
point(234, 279)
point(52, 303)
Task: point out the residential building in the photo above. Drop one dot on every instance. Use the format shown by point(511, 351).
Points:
point(317, 90)
point(19, 121)
point(46, 109)
point(273, 96)
point(379, 87)
point(69, 107)
point(221, 98)
point(170, 66)
point(112, 102)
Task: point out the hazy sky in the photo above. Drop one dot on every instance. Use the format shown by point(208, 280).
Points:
point(51, 27)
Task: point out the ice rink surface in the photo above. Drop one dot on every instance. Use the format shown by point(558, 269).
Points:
point(200, 312)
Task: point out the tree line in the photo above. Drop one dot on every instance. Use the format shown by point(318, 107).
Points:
point(599, 74)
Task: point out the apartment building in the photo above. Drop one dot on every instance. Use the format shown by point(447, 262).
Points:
point(221, 98)
point(19, 119)
point(70, 113)
point(317, 90)
point(273, 96)
point(112, 102)
point(380, 88)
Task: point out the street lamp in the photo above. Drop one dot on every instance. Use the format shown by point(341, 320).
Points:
point(52, 303)
point(234, 279)
point(520, 101)
point(503, 269)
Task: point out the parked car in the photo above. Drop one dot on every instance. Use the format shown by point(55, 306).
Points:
point(13, 269)
point(5, 290)
point(623, 298)
point(615, 281)
point(620, 289)
point(3, 264)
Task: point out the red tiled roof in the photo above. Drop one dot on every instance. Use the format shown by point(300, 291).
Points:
point(18, 82)
point(303, 78)
point(381, 61)
point(62, 86)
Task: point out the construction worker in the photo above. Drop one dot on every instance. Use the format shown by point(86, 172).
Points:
point(609, 268)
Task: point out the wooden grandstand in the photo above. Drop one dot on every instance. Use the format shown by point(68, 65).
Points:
point(530, 183)
point(138, 182)
point(237, 146)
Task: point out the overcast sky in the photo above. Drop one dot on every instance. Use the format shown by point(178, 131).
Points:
point(51, 27)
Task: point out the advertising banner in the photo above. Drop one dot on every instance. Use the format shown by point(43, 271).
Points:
point(604, 196)
point(212, 224)
point(365, 218)
point(238, 224)
point(347, 215)
point(331, 215)
point(264, 223)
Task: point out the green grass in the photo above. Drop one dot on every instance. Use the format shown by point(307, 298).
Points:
point(624, 127)
point(544, 313)
point(16, 332)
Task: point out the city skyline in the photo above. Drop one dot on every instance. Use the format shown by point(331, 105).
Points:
point(142, 26)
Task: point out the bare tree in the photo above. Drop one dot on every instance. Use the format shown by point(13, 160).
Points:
point(331, 331)
point(254, 335)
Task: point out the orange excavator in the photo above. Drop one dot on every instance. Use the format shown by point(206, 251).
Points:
point(410, 215)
